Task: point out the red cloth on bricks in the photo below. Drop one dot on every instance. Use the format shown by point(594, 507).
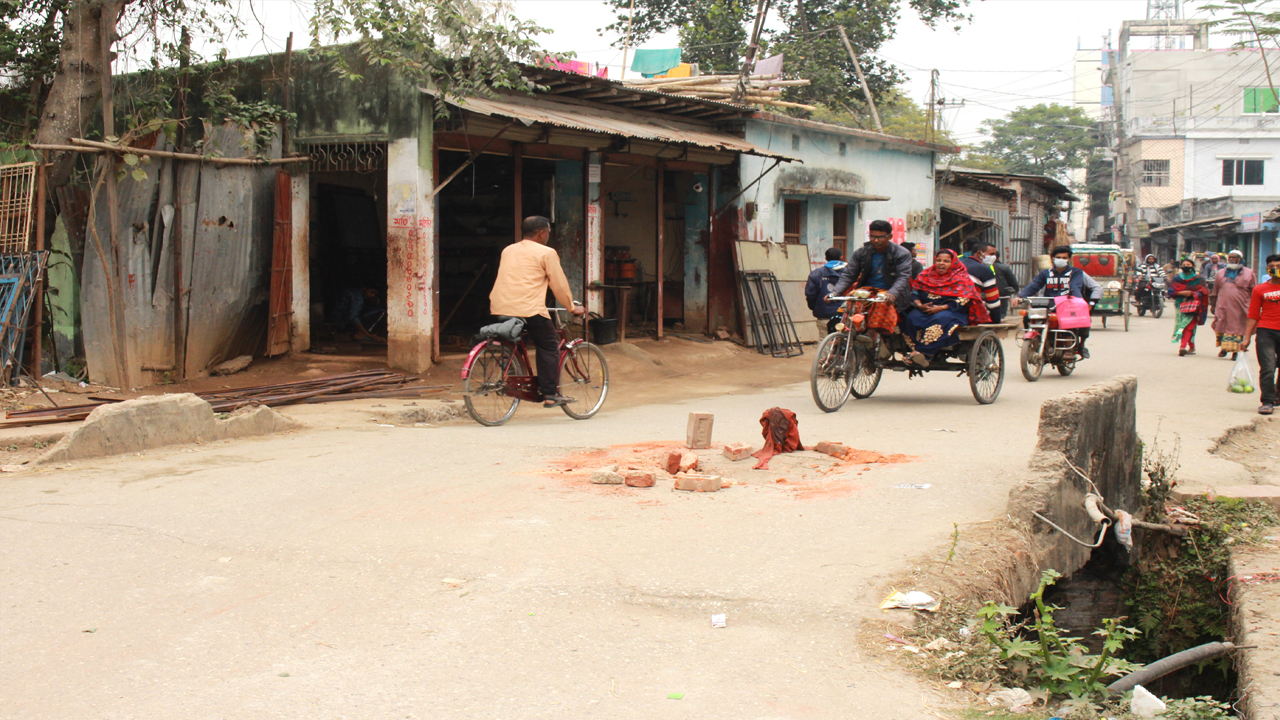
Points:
point(781, 435)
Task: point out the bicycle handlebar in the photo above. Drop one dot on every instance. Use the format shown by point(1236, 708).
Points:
point(877, 298)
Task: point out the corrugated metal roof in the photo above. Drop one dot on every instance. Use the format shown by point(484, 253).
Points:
point(609, 122)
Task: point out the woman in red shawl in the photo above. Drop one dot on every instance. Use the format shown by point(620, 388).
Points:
point(944, 300)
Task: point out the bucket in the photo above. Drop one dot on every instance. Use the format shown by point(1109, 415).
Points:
point(604, 331)
point(627, 270)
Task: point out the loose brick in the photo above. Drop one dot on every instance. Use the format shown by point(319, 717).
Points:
point(698, 435)
point(607, 476)
point(688, 462)
point(737, 451)
point(638, 478)
point(672, 465)
point(822, 446)
point(695, 482)
point(836, 450)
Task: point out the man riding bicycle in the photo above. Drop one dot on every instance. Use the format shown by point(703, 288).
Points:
point(883, 265)
point(527, 269)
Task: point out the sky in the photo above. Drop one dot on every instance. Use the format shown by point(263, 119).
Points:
point(1014, 52)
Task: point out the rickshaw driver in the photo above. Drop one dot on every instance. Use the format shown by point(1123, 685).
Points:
point(885, 266)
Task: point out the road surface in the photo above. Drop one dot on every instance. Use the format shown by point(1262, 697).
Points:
point(305, 575)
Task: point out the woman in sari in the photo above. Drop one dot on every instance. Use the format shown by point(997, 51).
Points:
point(1229, 300)
point(943, 301)
point(1191, 295)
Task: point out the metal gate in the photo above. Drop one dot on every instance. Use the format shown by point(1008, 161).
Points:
point(280, 312)
point(1019, 257)
point(17, 188)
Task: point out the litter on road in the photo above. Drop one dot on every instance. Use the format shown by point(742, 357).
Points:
point(718, 621)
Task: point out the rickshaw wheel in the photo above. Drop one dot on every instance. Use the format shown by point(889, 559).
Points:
point(831, 378)
point(986, 368)
point(867, 375)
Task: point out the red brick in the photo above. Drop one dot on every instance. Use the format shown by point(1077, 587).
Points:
point(695, 482)
point(822, 446)
point(688, 462)
point(836, 450)
point(673, 462)
point(638, 478)
point(698, 435)
point(737, 451)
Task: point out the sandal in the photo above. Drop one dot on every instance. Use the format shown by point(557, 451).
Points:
point(1266, 409)
point(918, 359)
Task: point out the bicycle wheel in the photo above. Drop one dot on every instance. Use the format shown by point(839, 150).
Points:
point(485, 389)
point(584, 376)
point(830, 378)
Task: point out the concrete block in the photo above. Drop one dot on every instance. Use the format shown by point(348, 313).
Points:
point(695, 482)
point(607, 475)
point(157, 421)
point(688, 462)
point(737, 451)
point(822, 446)
point(638, 478)
point(836, 450)
point(698, 435)
point(232, 366)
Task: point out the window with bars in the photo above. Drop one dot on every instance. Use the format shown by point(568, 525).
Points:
point(1242, 172)
point(792, 220)
point(840, 227)
point(1155, 173)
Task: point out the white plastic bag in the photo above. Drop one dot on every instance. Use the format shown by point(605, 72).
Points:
point(1241, 380)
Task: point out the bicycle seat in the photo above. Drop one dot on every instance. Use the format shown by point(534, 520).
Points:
point(509, 329)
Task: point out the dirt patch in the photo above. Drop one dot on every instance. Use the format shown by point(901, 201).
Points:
point(806, 475)
point(1256, 446)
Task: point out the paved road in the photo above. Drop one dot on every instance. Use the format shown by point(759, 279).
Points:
point(301, 576)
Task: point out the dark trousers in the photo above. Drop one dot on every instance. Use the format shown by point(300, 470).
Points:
point(542, 333)
point(1267, 341)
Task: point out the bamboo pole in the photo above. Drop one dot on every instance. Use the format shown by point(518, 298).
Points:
point(42, 198)
point(93, 146)
point(871, 103)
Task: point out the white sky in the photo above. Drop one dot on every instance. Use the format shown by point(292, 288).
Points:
point(1015, 52)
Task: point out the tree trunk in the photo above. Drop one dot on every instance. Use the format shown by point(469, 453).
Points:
point(77, 83)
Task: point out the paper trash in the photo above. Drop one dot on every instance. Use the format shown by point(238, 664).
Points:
point(717, 621)
point(914, 600)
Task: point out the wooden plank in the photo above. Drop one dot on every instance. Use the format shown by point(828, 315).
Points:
point(280, 312)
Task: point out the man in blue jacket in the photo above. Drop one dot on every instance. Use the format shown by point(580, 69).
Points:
point(820, 284)
point(1062, 279)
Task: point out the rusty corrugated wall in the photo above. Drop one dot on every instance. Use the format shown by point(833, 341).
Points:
point(226, 215)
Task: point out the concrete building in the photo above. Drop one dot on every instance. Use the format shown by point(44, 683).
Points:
point(1199, 134)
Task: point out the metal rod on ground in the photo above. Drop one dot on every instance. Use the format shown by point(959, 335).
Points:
point(465, 293)
point(861, 78)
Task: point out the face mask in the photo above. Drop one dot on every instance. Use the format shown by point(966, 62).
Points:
point(1233, 266)
point(988, 259)
point(1275, 273)
point(1059, 263)
point(1188, 272)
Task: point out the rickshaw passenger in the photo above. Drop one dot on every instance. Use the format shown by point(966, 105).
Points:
point(944, 300)
point(883, 265)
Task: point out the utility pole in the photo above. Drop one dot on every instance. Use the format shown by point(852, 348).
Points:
point(631, 16)
point(871, 103)
point(932, 135)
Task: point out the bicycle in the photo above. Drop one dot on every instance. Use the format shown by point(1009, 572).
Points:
point(497, 376)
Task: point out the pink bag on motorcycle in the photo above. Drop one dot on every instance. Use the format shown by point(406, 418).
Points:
point(1072, 311)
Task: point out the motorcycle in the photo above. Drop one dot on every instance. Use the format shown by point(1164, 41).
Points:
point(1043, 342)
point(1149, 295)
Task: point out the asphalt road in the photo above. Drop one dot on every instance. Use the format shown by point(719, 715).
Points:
point(303, 575)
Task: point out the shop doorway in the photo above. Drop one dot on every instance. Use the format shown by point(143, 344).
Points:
point(348, 247)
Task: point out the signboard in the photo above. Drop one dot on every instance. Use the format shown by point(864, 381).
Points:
point(1142, 229)
point(1251, 222)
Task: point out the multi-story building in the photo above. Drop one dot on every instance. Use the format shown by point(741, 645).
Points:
point(1198, 139)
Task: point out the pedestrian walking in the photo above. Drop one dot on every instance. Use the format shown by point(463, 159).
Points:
point(1229, 301)
point(1264, 320)
point(818, 288)
point(1191, 295)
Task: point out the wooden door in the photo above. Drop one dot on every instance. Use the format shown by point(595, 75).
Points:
point(280, 314)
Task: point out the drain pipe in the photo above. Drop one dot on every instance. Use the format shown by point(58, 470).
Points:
point(1177, 661)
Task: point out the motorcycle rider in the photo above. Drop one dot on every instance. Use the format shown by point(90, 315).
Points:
point(1144, 275)
point(1062, 279)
